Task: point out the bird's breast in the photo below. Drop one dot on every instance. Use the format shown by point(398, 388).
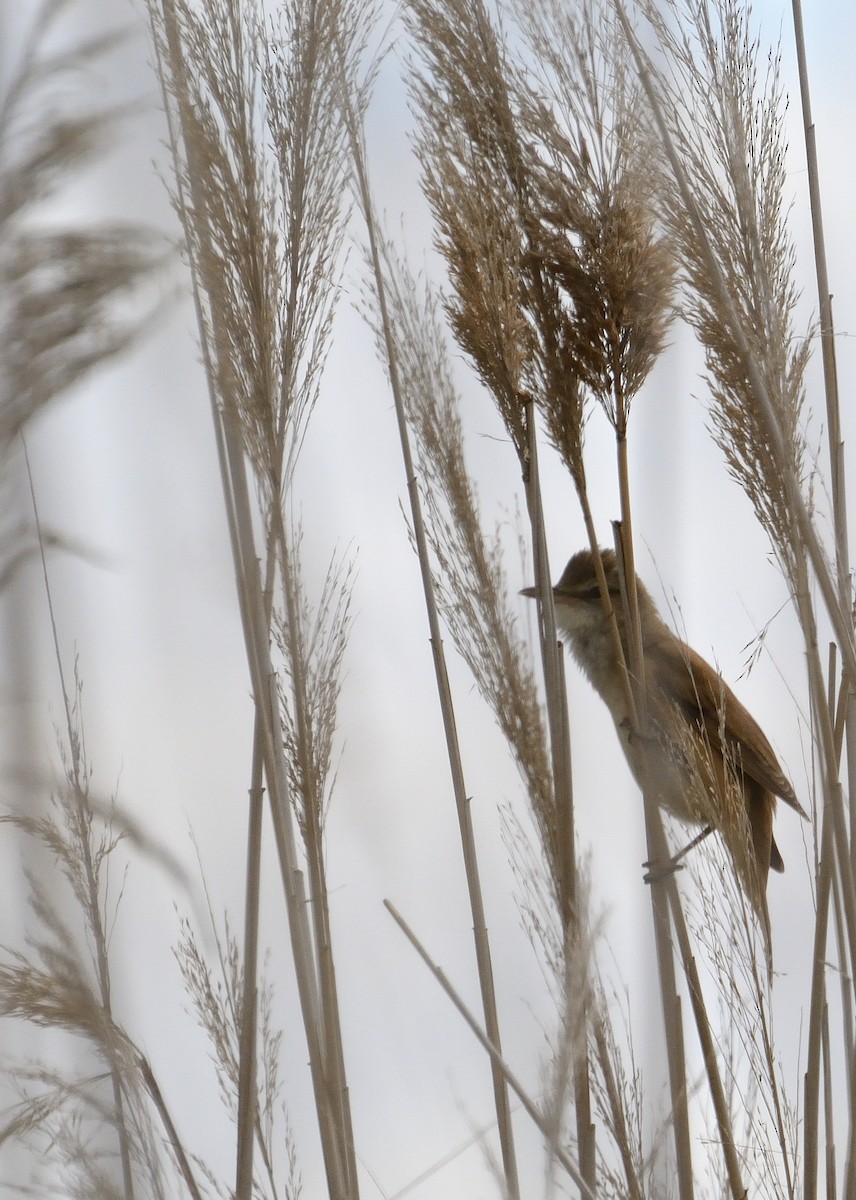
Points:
point(653, 758)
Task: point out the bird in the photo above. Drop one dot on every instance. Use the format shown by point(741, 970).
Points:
point(704, 755)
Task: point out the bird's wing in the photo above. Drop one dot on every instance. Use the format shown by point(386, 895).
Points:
point(684, 678)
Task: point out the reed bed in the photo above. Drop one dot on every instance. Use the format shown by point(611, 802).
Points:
point(602, 180)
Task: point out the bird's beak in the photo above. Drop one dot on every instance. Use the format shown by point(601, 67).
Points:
point(531, 591)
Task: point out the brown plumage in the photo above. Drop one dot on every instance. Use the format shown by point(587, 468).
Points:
point(706, 756)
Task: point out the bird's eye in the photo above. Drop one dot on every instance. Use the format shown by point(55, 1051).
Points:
point(591, 593)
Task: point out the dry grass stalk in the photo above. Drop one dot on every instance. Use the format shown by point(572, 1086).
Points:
point(532, 284)
point(471, 590)
point(782, 442)
point(66, 287)
point(74, 298)
point(58, 993)
point(617, 1093)
point(74, 295)
point(827, 328)
point(470, 581)
point(313, 646)
point(390, 302)
point(472, 593)
point(739, 251)
point(612, 274)
point(846, 712)
point(264, 231)
point(477, 179)
point(761, 1113)
point(219, 1001)
point(610, 297)
point(726, 122)
point(64, 983)
point(668, 911)
point(593, 191)
point(524, 239)
point(474, 176)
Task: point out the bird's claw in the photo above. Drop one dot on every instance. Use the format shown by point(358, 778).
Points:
point(655, 872)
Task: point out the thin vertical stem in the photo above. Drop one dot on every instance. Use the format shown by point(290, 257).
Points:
point(247, 1101)
point(661, 887)
point(656, 839)
point(251, 604)
point(266, 701)
point(824, 296)
point(708, 1044)
point(560, 742)
point(84, 827)
point(838, 487)
point(817, 1005)
point(312, 804)
point(560, 750)
point(567, 854)
point(828, 1120)
point(619, 1120)
point(462, 800)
